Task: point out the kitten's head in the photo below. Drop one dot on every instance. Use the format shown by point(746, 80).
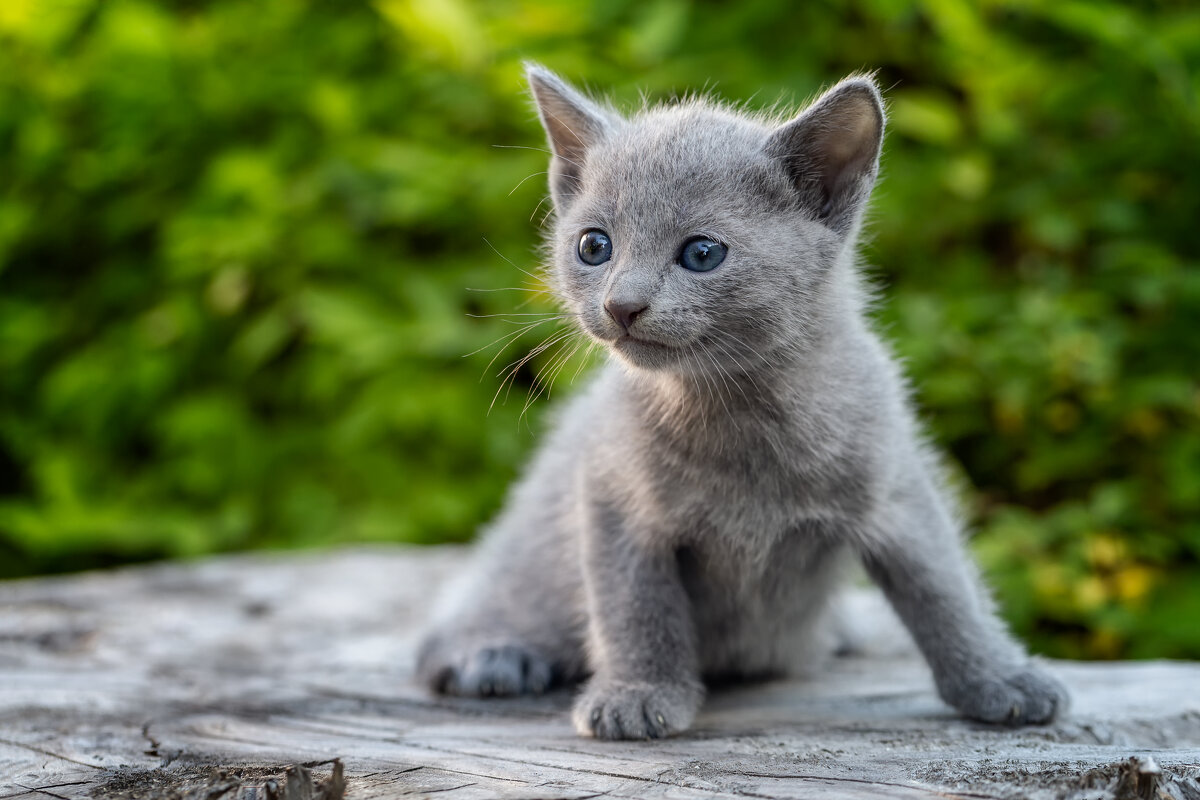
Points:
point(692, 235)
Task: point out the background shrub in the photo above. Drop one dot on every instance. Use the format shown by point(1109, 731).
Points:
point(238, 243)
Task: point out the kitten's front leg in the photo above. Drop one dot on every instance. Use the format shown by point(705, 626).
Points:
point(642, 643)
point(916, 556)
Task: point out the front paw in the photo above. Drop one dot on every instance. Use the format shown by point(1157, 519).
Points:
point(1022, 695)
point(609, 709)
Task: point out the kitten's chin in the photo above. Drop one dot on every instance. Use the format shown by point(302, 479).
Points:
point(645, 353)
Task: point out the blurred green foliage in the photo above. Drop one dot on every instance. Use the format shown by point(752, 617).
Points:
point(238, 242)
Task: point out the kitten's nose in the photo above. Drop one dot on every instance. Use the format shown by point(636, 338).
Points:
point(624, 313)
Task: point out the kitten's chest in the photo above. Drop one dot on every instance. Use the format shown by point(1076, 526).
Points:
point(771, 479)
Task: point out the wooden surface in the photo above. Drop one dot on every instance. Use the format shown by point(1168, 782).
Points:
point(210, 679)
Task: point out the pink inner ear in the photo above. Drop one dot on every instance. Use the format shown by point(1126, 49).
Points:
point(572, 123)
point(851, 133)
point(830, 150)
point(565, 138)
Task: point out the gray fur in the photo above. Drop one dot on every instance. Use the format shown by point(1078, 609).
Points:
point(689, 515)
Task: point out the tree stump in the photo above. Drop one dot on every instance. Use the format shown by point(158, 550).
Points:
point(290, 677)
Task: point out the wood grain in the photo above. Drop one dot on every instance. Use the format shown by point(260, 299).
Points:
point(211, 679)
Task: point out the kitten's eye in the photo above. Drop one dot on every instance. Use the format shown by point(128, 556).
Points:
point(595, 247)
point(701, 255)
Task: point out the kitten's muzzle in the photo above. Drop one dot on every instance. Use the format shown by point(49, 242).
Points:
point(624, 313)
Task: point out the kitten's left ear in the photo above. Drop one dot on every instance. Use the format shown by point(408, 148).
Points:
point(573, 123)
point(831, 151)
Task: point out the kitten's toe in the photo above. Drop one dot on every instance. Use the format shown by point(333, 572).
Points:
point(474, 670)
point(619, 710)
point(1044, 697)
point(1022, 696)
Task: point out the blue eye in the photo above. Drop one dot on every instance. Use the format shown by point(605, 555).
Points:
point(595, 247)
point(701, 254)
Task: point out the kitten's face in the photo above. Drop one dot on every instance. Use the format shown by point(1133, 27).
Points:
point(695, 239)
point(684, 246)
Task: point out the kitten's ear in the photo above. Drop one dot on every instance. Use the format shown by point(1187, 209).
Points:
point(831, 151)
point(573, 123)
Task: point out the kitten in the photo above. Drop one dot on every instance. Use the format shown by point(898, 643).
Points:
point(688, 516)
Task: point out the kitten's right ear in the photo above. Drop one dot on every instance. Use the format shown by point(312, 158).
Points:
point(831, 151)
point(573, 123)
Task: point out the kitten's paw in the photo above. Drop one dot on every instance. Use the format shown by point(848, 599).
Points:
point(471, 669)
point(1023, 696)
point(620, 710)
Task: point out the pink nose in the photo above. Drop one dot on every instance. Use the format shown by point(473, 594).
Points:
point(624, 313)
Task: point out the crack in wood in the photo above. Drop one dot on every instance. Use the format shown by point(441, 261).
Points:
point(437, 791)
point(52, 754)
point(42, 789)
point(869, 782)
point(472, 774)
point(38, 790)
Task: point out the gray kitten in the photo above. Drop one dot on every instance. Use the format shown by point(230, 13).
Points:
point(687, 517)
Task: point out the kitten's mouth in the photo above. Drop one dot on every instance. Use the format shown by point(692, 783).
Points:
point(645, 353)
point(629, 340)
point(638, 349)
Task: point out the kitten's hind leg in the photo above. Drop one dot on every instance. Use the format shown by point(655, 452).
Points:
point(482, 665)
point(510, 625)
point(915, 555)
point(512, 621)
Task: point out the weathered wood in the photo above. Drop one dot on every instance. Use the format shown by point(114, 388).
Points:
point(211, 679)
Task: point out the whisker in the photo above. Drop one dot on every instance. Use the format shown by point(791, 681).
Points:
point(530, 299)
point(517, 333)
point(747, 347)
point(527, 177)
point(559, 314)
point(510, 378)
point(720, 375)
point(540, 149)
point(533, 289)
point(533, 213)
point(510, 261)
point(509, 336)
point(591, 348)
point(549, 341)
point(562, 365)
point(510, 371)
point(709, 387)
point(556, 364)
point(580, 340)
point(741, 368)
